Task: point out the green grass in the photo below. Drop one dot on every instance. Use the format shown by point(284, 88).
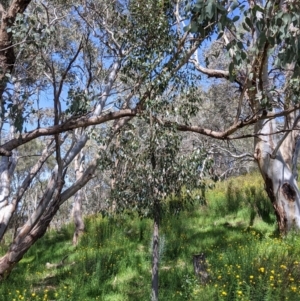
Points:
point(236, 230)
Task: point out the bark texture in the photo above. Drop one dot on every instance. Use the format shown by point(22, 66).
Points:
point(7, 55)
point(155, 259)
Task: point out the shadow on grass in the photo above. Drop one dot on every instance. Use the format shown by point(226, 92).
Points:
point(208, 240)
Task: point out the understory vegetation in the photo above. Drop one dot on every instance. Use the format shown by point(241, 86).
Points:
point(236, 230)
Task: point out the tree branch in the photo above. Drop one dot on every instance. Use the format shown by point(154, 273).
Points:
point(210, 72)
point(70, 124)
point(273, 155)
point(241, 156)
point(225, 135)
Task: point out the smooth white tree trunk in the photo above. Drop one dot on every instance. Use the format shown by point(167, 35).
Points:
point(275, 164)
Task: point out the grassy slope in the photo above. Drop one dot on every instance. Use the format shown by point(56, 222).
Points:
point(236, 231)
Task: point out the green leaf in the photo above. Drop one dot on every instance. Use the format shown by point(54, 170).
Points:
point(194, 27)
point(248, 22)
point(240, 45)
point(210, 9)
point(245, 27)
point(231, 69)
point(243, 55)
point(262, 40)
point(287, 19)
point(186, 28)
point(271, 40)
point(279, 22)
point(220, 27)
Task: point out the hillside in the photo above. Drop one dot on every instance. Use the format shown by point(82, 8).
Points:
point(236, 230)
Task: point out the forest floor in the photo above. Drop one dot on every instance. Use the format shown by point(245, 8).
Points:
point(246, 259)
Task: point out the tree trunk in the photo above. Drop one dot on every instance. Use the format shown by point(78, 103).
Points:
point(295, 157)
point(275, 158)
point(35, 228)
point(77, 216)
point(7, 55)
point(8, 209)
point(22, 243)
point(155, 252)
point(18, 249)
point(5, 209)
point(78, 198)
point(274, 161)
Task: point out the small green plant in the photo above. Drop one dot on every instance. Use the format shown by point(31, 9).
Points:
point(190, 285)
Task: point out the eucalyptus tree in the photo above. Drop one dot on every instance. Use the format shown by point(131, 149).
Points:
point(264, 67)
point(70, 67)
point(154, 176)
